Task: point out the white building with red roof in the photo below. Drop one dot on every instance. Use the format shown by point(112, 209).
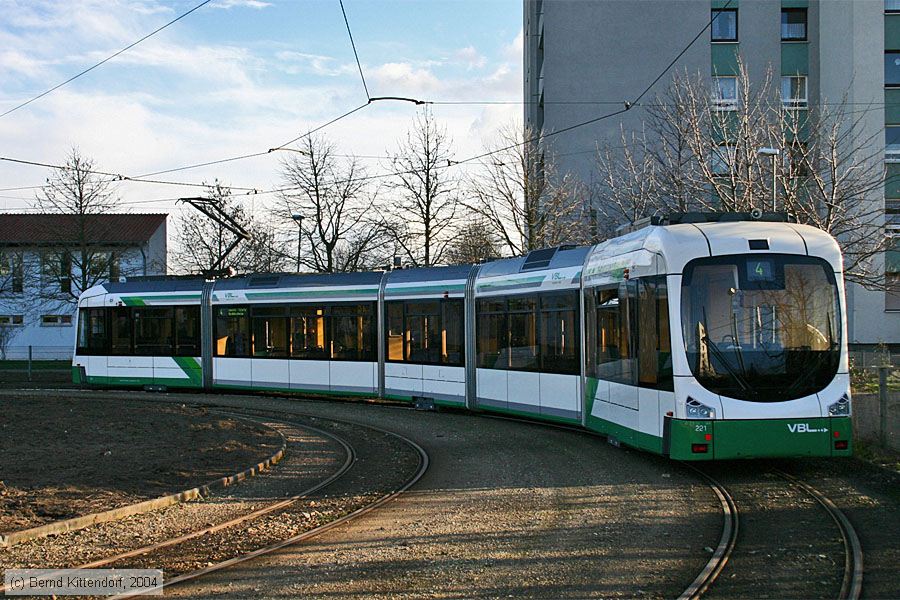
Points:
point(47, 260)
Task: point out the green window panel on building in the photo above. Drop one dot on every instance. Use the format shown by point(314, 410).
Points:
point(892, 32)
point(724, 59)
point(794, 3)
point(795, 58)
point(892, 181)
point(724, 4)
point(892, 106)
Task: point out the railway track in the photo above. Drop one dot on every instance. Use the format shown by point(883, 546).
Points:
point(182, 544)
point(851, 583)
point(852, 573)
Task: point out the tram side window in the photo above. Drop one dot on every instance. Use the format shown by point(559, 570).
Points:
point(523, 332)
point(187, 331)
point(654, 343)
point(614, 348)
point(351, 333)
point(308, 336)
point(92, 332)
point(269, 331)
point(453, 340)
point(395, 331)
point(491, 334)
point(559, 333)
point(425, 331)
point(232, 331)
point(152, 331)
point(120, 331)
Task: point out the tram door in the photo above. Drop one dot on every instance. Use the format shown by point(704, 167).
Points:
point(619, 365)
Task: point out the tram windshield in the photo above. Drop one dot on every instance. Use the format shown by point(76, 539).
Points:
point(763, 328)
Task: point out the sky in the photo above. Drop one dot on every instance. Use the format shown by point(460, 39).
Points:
point(241, 76)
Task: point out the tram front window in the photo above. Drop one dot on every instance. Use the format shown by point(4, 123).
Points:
point(762, 328)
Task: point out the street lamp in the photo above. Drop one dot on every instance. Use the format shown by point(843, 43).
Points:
point(298, 218)
point(773, 152)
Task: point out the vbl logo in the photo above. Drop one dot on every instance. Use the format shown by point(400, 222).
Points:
point(803, 428)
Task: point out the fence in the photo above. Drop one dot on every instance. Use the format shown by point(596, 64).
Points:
point(875, 382)
point(36, 364)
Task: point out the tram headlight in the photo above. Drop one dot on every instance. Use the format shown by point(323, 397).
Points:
point(841, 408)
point(697, 410)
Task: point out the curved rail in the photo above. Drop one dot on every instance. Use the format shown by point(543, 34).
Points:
point(726, 543)
point(730, 524)
point(348, 462)
point(423, 467)
point(851, 584)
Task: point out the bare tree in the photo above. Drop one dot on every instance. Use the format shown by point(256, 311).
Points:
point(421, 215)
point(701, 152)
point(338, 221)
point(475, 242)
point(521, 195)
point(201, 242)
point(76, 261)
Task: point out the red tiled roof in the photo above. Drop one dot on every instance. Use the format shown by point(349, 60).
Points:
point(64, 228)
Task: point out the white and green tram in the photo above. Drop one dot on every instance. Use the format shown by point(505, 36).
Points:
point(700, 337)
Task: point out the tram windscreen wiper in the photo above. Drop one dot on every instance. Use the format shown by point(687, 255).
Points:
point(722, 359)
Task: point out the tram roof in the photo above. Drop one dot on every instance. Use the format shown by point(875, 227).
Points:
point(545, 259)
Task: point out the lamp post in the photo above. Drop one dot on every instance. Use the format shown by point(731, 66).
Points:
point(773, 152)
point(298, 218)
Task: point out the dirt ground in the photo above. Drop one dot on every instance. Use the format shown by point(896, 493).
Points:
point(62, 458)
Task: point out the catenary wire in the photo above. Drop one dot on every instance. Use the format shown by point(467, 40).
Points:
point(105, 60)
point(355, 55)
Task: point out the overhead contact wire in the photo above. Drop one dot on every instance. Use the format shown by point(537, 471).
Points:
point(105, 60)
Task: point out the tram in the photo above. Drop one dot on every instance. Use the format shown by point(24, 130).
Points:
point(698, 336)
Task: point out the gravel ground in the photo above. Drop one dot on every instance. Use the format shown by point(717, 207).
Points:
point(309, 458)
point(870, 498)
point(783, 534)
point(61, 458)
point(506, 509)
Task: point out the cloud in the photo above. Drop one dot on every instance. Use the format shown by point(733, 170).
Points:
point(513, 50)
point(229, 4)
point(405, 79)
point(295, 63)
point(470, 57)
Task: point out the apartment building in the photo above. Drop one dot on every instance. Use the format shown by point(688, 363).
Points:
point(585, 58)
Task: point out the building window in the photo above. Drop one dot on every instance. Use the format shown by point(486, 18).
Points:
point(11, 320)
point(724, 26)
point(721, 159)
point(892, 295)
point(796, 159)
point(793, 24)
point(56, 320)
point(892, 68)
point(725, 93)
point(12, 272)
point(892, 143)
point(892, 6)
point(892, 218)
point(793, 91)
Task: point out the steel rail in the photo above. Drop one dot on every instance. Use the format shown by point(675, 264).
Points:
point(726, 543)
point(851, 583)
point(350, 458)
point(422, 468)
